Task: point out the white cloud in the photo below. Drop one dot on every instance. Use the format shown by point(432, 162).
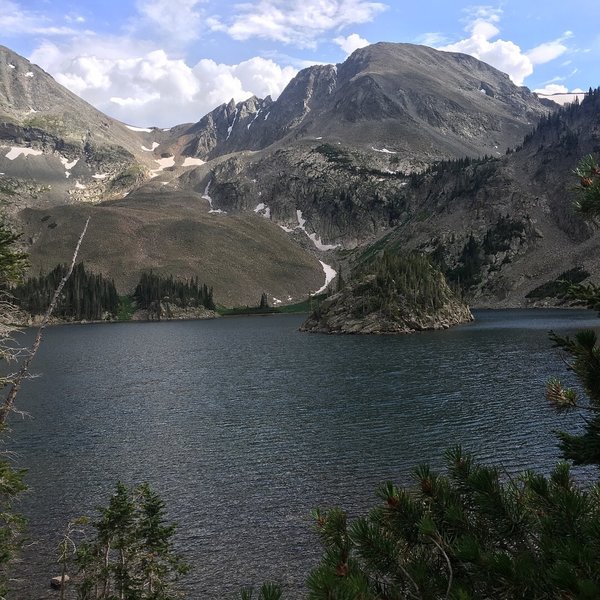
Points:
point(148, 87)
point(432, 39)
point(503, 54)
point(74, 18)
point(548, 50)
point(298, 22)
point(351, 42)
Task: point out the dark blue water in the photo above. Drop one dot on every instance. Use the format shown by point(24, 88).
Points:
point(244, 425)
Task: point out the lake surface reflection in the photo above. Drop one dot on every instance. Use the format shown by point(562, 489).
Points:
point(243, 425)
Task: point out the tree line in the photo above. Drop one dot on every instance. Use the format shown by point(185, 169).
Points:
point(89, 296)
point(86, 296)
point(153, 289)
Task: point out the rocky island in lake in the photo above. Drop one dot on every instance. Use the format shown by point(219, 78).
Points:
point(394, 294)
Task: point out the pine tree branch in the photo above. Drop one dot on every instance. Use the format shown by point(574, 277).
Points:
point(9, 402)
point(450, 571)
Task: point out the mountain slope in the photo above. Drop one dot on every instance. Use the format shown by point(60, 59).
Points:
point(71, 151)
point(327, 167)
point(173, 233)
point(503, 227)
point(420, 103)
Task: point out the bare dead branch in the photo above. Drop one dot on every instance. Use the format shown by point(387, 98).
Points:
point(9, 402)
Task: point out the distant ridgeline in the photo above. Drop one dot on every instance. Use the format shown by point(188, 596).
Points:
point(91, 297)
point(391, 294)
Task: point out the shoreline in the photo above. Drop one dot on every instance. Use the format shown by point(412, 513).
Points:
point(59, 322)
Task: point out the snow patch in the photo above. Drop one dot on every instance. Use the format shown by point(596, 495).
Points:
point(383, 150)
point(80, 186)
point(287, 229)
point(255, 117)
point(16, 152)
point(192, 162)
point(11, 66)
point(205, 196)
point(483, 91)
point(263, 210)
point(313, 237)
point(230, 128)
point(66, 164)
point(330, 274)
point(163, 163)
point(29, 74)
point(32, 111)
point(100, 176)
point(319, 138)
point(267, 116)
point(276, 300)
point(155, 145)
point(142, 129)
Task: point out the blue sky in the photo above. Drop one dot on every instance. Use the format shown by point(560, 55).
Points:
point(163, 62)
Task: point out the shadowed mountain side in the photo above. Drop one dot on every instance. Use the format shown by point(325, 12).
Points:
point(502, 228)
point(241, 256)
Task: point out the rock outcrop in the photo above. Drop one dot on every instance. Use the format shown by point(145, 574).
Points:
point(398, 295)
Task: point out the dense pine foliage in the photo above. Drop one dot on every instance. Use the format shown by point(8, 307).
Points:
point(127, 553)
point(153, 289)
point(86, 296)
point(410, 280)
point(466, 535)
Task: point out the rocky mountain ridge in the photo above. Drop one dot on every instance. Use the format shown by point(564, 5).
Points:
point(418, 103)
point(332, 170)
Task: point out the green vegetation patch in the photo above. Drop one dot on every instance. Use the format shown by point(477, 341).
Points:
point(128, 177)
point(334, 154)
point(407, 279)
point(86, 296)
point(50, 123)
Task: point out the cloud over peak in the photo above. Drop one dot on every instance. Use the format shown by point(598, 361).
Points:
point(153, 88)
point(299, 22)
point(482, 25)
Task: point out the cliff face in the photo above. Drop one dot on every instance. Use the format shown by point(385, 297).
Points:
point(418, 103)
point(397, 295)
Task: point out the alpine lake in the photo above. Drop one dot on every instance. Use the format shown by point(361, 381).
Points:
point(244, 424)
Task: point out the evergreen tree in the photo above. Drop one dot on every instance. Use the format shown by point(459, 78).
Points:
point(264, 301)
point(471, 533)
point(85, 296)
point(153, 289)
point(582, 350)
point(129, 554)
